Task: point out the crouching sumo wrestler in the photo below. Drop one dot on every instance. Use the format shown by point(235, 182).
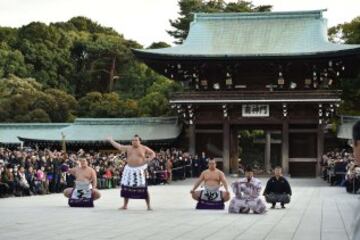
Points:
point(84, 193)
point(211, 197)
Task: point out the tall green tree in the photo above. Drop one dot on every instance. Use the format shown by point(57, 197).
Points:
point(135, 81)
point(154, 104)
point(25, 100)
point(84, 24)
point(155, 45)
point(46, 51)
point(8, 35)
point(12, 62)
point(49, 67)
point(96, 104)
point(348, 33)
point(99, 62)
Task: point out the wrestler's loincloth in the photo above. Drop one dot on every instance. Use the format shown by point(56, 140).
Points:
point(133, 182)
point(211, 198)
point(81, 195)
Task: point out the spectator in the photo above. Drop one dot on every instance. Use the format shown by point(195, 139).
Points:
point(30, 178)
point(22, 185)
point(203, 161)
point(41, 181)
point(196, 167)
point(4, 187)
point(9, 179)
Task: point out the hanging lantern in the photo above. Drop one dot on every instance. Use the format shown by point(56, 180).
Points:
point(281, 80)
point(228, 80)
point(285, 112)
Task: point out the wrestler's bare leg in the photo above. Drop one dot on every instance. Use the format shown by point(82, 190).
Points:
point(226, 196)
point(126, 202)
point(196, 195)
point(96, 194)
point(67, 192)
point(147, 200)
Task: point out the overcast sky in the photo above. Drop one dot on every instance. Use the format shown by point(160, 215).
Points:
point(146, 21)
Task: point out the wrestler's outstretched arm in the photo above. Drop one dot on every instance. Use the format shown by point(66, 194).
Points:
point(117, 145)
point(198, 182)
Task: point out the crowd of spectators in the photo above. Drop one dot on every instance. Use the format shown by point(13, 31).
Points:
point(25, 172)
point(339, 169)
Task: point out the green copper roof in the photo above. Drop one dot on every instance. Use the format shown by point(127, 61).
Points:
point(254, 34)
point(123, 129)
point(91, 129)
point(9, 132)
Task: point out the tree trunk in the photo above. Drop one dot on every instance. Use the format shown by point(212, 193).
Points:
point(111, 74)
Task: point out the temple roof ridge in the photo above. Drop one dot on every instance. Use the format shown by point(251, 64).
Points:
point(259, 34)
point(259, 15)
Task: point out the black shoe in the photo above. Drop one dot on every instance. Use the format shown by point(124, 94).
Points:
point(282, 206)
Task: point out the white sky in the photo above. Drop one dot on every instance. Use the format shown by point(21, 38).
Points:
point(146, 21)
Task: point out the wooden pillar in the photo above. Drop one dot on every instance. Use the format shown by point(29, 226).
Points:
point(192, 142)
point(226, 146)
point(320, 148)
point(285, 147)
point(234, 153)
point(268, 151)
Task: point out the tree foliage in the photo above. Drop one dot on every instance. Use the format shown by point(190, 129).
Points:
point(72, 69)
point(348, 33)
point(25, 100)
point(156, 45)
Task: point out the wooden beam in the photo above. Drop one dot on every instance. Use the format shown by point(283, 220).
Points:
point(208, 130)
point(303, 130)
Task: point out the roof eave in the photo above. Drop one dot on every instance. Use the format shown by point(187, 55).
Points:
point(59, 141)
point(145, 55)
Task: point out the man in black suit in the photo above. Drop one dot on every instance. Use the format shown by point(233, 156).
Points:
point(277, 189)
